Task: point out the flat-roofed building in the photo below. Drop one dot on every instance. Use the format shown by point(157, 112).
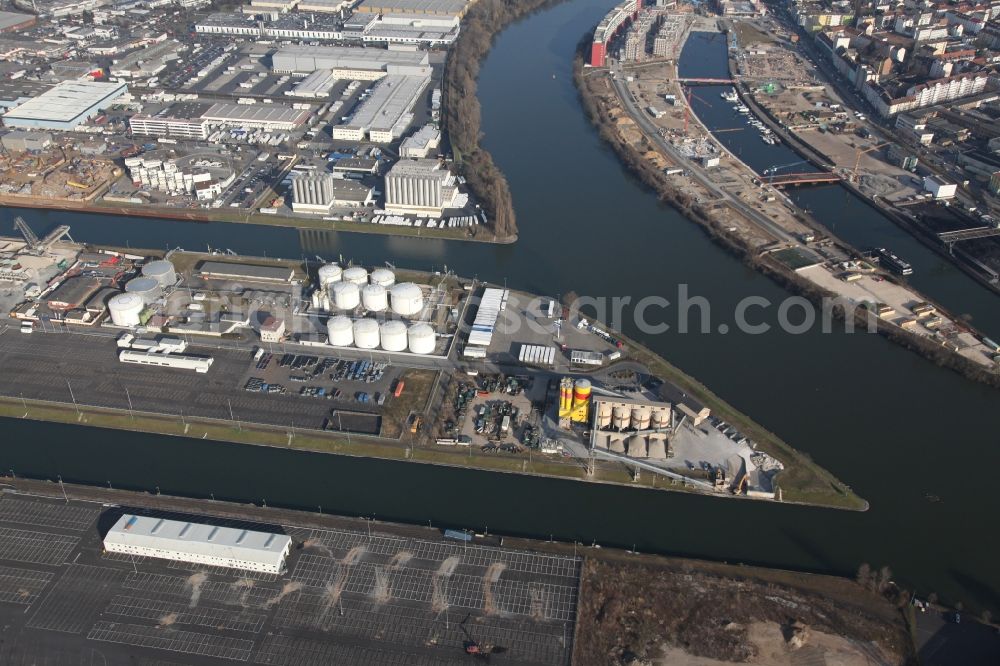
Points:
point(433, 7)
point(198, 543)
point(22, 140)
point(332, 6)
point(279, 5)
point(419, 187)
point(318, 193)
point(386, 113)
point(346, 62)
point(181, 121)
point(12, 21)
point(65, 106)
point(423, 141)
point(268, 117)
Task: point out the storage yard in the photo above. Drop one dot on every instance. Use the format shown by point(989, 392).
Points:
point(344, 596)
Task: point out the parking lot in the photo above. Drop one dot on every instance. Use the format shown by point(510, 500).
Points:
point(84, 368)
point(346, 598)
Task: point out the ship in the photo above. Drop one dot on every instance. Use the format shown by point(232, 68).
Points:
point(729, 95)
point(893, 263)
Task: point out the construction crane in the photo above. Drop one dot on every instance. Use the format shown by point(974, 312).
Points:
point(857, 162)
point(687, 109)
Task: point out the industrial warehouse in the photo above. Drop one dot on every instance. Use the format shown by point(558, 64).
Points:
point(198, 543)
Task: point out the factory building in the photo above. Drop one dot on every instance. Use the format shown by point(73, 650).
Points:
point(66, 105)
point(451, 8)
point(318, 193)
point(347, 62)
point(167, 176)
point(268, 117)
point(637, 428)
point(419, 187)
point(199, 364)
point(179, 121)
point(387, 112)
point(12, 21)
point(19, 141)
point(220, 270)
point(331, 6)
point(198, 543)
point(423, 141)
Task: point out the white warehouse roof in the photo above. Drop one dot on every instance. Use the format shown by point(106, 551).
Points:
point(199, 542)
point(66, 101)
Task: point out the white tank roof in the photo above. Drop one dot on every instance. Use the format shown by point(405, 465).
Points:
point(356, 274)
point(406, 299)
point(125, 309)
point(383, 276)
point(366, 334)
point(421, 339)
point(340, 331)
point(328, 273)
point(374, 297)
point(346, 295)
point(394, 337)
point(162, 271)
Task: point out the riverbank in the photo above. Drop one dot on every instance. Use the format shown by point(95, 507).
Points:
point(704, 211)
point(248, 218)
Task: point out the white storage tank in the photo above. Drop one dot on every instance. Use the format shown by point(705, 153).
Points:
point(162, 271)
point(328, 274)
point(383, 277)
point(421, 339)
point(146, 288)
point(374, 298)
point(356, 274)
point(346, 295)
point(394, 338)
point(340, 331)
point(406, 299)
point(125, 309)
point(366, 334)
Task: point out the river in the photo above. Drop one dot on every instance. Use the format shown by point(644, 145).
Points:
point(890, 424)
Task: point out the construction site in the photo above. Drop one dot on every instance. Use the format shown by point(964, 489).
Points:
point(58, 174)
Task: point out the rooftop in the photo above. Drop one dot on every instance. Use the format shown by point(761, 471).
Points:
point(198, 538)
point(66, 101)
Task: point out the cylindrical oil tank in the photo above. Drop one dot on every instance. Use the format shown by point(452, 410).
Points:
point(162, 271)
point(421, 339)
point(406, 299)
point(346, 295)
point(125, 309)
point(146, 288)
point(340, 331)
point(621, 417)
point(374, 298)
point(383, 277)
point(581, 391)
point(356, 274)
point(366, 334)
point(394, 338)
point(328, 274)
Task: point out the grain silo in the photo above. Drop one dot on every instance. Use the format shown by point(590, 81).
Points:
point(406, 299)
point(125, 309)
point(366, 334)
point(356, 274)
point(661, 417)
point(340, 331)
point(621, 417)
point(374, 298)
point(383, 277)
point(162, 271)
point(146, 288)
point(346, 295)
point(641, 415)
point(394, 336)
point(421, 339)
point(328, 274)
point(603, 415)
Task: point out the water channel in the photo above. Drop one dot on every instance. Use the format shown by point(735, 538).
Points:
point(917, 441)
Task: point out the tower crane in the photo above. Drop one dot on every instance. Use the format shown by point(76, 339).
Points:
point(687, 109)
point(857, 162)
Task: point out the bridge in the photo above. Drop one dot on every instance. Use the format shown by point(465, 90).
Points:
point(707, 82)
point(813, 178)
point(950, 237)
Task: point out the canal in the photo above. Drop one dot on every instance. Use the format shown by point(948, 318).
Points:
point(917, 441)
